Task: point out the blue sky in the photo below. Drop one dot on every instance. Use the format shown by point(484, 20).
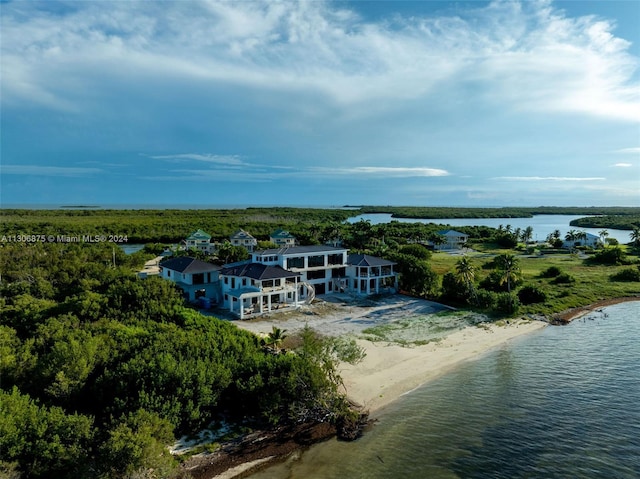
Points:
point(471, 103)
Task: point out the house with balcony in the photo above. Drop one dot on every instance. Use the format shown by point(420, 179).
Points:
point(452, 240)
point(250, 289)
point(318, 265)
point(200, 241)
point(282, 238)
point(370, 275)
point(244, 239)
point(197, 279)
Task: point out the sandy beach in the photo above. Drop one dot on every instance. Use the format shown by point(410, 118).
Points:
point(394, 367)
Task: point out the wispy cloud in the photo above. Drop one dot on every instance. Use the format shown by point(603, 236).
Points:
point(623, 165)
point(546, 178)
point(380, 171)
point(633, 151)
point(36, 170)
point(233, 160)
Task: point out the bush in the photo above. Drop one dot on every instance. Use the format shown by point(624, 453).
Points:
point(531, 294)
point(564, 278)
point(551, 272)
point(485, 299)
point(507, 303)
point(609, 256)
point(627, 274)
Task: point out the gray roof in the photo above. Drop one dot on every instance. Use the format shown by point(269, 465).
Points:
point(300, 250)
point(258, 271)
point(185, 264)
point(366, 260)
point(451, 233)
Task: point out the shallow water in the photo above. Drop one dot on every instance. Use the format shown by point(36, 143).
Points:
point(562, 402)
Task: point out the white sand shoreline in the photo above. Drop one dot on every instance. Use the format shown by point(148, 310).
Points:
point(390, 371)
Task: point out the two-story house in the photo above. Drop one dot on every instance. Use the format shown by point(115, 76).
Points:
point(253, 288)
point(194, 277)
point(452, 240)
point(282, 238)
point(370, 275)
point(244, 239)
point(200, 241)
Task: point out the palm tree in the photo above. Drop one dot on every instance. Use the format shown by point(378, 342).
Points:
point(527, 234)
point(635, 236)
point(603, 236)
point(274, 339)
point(510, 268)
point(465, 272)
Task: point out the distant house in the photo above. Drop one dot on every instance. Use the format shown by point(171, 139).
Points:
point(253, 289)
point(452, 240)
point(194, 277)
point(244, 239)
point(591, 241)
point(371, 275)
point(199, 240)
point(282, 238)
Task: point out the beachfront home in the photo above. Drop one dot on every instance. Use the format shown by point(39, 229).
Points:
point(370, 275)
point(199, 240)
point(318, 265)
point(282, 238)
point(244, 239)
point(195, 278)
point(253, 288)
point(452, 240)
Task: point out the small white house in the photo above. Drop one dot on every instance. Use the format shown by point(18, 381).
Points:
point(282, 238)
point(195, 278)
point(370, 275)
point(452, 240)
point(244, 239)
point(591, 241)
point(199, 240)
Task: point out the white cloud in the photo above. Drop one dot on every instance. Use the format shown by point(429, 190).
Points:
point(36, 170)
point(234, 160)
point(528, 54)
point(546, 178)
point(383, 172)
point(634, 151)
point(623, 165)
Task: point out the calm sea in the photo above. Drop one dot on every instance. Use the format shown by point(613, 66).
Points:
point(563, 402)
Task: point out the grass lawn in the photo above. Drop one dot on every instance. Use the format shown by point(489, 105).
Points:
point(591, 283)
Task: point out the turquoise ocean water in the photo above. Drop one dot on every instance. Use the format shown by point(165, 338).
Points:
point(563, 402)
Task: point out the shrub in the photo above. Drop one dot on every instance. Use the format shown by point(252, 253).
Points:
point(507, 303)
point(627, 274)
point(485, 299)
point(564, 278)
point(551, 272)
point(531, 294)
point(610, 256)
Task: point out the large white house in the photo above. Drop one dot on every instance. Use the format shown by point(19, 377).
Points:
point(195, 278)
point(589, 240)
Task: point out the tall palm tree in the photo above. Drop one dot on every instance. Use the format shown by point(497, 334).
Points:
point(603, 236)
point(465, 272)
point(510, 268)
point(635, 236)
point(527, 234)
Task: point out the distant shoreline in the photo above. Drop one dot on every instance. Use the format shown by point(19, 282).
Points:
point(569, 315)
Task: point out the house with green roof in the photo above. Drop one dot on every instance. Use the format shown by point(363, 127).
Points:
point(282, 238)
point(199, 240)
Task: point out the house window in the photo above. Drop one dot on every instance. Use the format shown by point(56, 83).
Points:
point(244, 281)
point(321, 274)
point(316, 261)
point(226, 280)
point(297, 262)
point(233, 283)
point(168, 273)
